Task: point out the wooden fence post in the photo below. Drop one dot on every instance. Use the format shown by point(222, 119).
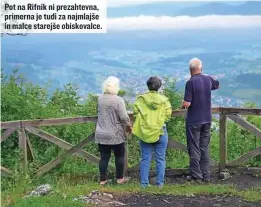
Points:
point(222, 141)
point(23, 148)
point(30, 152)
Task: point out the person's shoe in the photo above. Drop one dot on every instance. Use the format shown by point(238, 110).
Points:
point(145, 186)
point(123, 180)
point(159, 186)
point(189, 178)
point(206, 181)
point(103, 183)
point(193, 179)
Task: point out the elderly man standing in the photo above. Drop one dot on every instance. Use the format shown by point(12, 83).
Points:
point(197, 100)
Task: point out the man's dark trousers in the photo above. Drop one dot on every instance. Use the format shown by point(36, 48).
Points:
point(198, 137)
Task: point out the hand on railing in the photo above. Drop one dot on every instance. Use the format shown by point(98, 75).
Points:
point(185, 105)
point(129, 129)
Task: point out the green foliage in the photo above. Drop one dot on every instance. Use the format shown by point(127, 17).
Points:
point(90, 106)
point(170, 90)
point(176, 126)
point(122, 93)
point(23, 100)
point(66, 101)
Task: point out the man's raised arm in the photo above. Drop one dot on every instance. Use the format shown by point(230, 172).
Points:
point(215, 84)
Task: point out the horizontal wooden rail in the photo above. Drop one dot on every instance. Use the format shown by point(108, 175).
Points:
point(84, 119)
point(32, 126)
point(242, 111)
point(47, 122)
point(182, 112)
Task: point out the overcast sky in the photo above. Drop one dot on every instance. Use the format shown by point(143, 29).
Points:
point(112, 3)
point(179, 22)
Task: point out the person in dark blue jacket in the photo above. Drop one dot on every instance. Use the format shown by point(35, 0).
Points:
point(197, 99)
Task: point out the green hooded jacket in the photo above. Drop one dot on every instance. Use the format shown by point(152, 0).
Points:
point(151, 111)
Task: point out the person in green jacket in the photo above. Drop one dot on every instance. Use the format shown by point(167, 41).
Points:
point(151, 112)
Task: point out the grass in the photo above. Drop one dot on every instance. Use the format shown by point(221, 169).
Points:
point(64, 192)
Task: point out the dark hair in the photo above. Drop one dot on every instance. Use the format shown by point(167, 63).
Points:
point(154, 83)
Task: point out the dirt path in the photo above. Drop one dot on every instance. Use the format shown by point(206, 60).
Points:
point(181, 201)
point(240, 181)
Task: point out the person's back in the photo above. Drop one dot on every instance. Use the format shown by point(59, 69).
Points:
point(200, 87)
point(197, 100)
point(111, 128)
point(111, 120)
point(151, 111)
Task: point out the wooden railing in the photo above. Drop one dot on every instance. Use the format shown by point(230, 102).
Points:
point(25, 127)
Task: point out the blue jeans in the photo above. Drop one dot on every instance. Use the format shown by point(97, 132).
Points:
point(160, 153)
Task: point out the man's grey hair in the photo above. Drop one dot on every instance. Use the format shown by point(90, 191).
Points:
point(111, 85)
point(195, 63)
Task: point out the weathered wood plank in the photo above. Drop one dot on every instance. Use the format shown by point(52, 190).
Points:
point(74, 120)
point(182, 112)
point(241, 160)
point(47, 122)
point(177, 145)
point(23, 148)
point(222, 141)
point(243, 111)
point(64, 145)
point(30, 151)
point(245, 170)
point(7, 133)
point(136, 167)
point(245, 124)
point(178, 113)
point(171, 172)
point(216, 110)
point(70, 120)
point(5, 171)
point(50, 165)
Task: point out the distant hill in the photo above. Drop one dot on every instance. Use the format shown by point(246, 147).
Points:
point(150, 9)
point(217, 8)
point(189, 9)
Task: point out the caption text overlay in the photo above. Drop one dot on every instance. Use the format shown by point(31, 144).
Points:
point(53, 16)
